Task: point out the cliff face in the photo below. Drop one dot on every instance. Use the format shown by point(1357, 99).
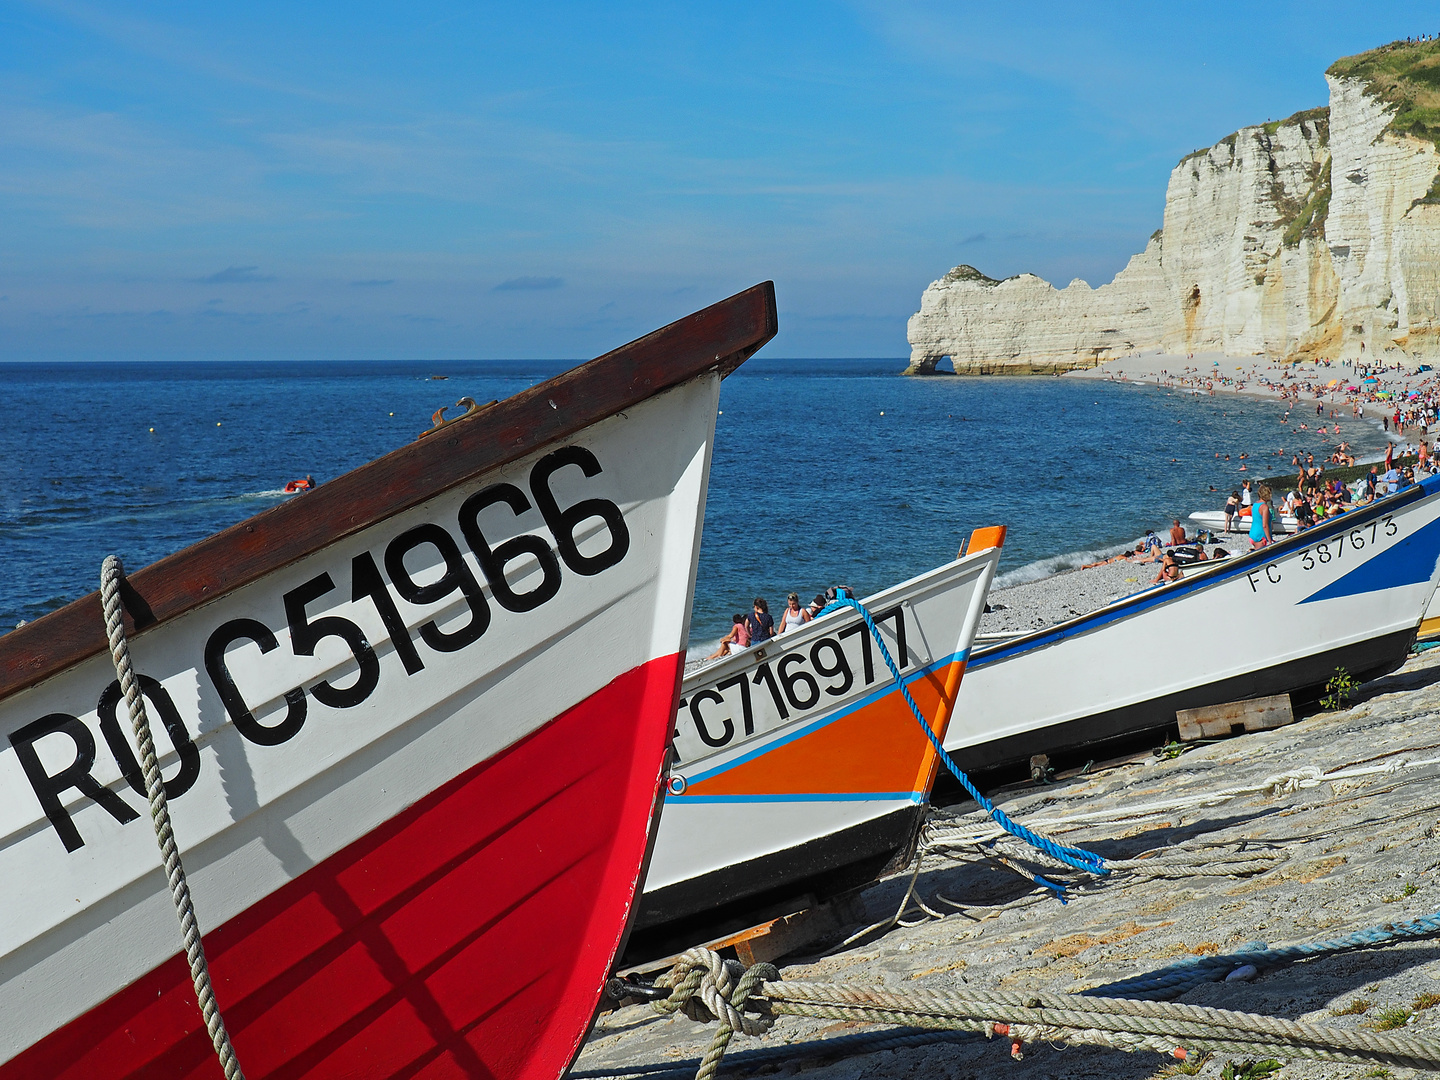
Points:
point(1315, 236)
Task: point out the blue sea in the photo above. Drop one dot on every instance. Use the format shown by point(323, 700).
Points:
point(825, 471)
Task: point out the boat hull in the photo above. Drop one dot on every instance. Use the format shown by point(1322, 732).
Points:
point(801, 770)
point(1281, 620)
point(1430, 624)
point(382, 960)
point(413, 730)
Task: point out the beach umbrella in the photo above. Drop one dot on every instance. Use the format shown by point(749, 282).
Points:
point(1370, 379)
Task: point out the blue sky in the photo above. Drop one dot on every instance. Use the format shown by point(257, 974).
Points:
point(272, 181)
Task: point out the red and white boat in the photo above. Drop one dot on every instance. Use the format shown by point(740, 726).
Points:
point(414, 732)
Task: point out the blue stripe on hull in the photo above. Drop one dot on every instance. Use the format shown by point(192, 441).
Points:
point(885, 690)
point(1409, 562)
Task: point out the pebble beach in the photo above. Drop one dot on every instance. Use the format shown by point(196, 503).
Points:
point(1357, 851)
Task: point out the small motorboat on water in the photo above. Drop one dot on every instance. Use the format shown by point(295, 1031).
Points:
point(413, 730)
point(1215, 521)
point(1348, 593)
point(294, 487)
point(800, 770)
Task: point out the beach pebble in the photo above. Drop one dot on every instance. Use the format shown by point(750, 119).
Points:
point(1244, 973)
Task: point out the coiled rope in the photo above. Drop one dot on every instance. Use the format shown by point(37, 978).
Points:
point(112, 573)
point(727, 991)
point(1070, 856)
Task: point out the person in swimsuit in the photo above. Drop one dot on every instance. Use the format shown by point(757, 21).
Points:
point(1232, 508)
point(1169, 570)
point(794, 616)
point(1260, 534)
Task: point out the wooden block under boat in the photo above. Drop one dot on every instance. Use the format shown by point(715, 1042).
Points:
point(1235, 717)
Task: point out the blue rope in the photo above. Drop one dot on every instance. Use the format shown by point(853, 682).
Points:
point(1076, 857)
point(1172, 981)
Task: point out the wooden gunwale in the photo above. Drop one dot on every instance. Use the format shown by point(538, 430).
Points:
point(719, 337)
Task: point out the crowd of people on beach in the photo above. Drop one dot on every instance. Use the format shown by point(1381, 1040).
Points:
point(1250, 512)
point(759, 625)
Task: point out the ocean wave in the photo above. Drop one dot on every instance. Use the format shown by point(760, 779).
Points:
point(695, 653)
point(1058, 564)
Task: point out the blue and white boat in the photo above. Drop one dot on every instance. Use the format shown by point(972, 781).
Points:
point(1348, 594)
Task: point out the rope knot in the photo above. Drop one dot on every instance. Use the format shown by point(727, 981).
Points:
point(705, 987)
point(1288, 783)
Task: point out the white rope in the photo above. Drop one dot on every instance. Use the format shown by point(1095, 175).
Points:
point(111, 574)
point(1167, 1027)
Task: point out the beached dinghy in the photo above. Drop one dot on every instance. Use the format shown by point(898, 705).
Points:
point(1348, 593)
point(413, 729)
point(800, 769)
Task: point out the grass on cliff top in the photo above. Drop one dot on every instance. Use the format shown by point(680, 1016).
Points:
point(969, 273)
point(1405, 74)
point(1318, 118)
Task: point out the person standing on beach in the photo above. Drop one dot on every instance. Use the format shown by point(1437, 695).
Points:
point(1245, 496)
point(759, 622)
point(794, 616)
point(1232, 508)
point(1260, 526)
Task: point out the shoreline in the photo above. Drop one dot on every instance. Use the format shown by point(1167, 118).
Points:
point(1186, 372)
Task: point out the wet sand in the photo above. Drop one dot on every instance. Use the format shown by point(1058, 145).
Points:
point(1357, 853)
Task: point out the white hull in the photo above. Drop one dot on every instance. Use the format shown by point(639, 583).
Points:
point(759, 812)
point(1349, 592)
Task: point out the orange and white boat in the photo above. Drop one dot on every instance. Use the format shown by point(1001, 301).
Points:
point(413, 731)
point(801, 771)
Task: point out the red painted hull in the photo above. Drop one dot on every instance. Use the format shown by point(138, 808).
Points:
point(466, 937)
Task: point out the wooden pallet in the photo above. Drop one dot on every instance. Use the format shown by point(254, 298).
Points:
point(1235, 717)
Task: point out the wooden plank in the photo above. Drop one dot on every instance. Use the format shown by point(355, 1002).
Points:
point(720, 337)
point(1214, 721)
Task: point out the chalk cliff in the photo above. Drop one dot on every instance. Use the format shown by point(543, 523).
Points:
point(1318, 235)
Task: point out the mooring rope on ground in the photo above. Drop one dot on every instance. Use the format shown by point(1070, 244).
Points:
point(861, 1042)
point(112, 573)
point(954, 829)
point(705, 987)
point(1078, 858)
point(1176, 979)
